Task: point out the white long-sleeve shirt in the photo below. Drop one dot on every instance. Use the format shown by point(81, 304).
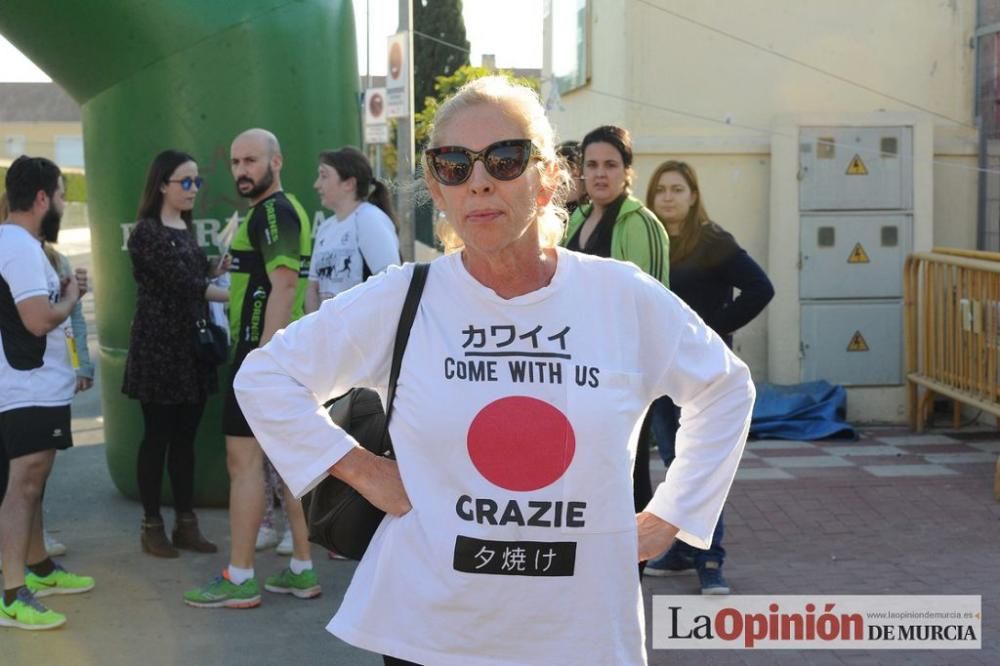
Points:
point(515, 427)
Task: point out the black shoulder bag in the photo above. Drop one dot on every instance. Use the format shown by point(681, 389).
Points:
point(211, 344)
point(339, 517)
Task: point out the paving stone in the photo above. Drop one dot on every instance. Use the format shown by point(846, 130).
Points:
point(992, 447)
point(871, 450)
point(766, 444)
point(917, 440)
point(811, 461)
point(960, 458)
point(909, 470)
point(762, 474)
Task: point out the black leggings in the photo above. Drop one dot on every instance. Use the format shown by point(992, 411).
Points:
point(170, 432)
point(393, 661)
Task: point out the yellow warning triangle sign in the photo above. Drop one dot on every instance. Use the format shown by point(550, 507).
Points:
point(858, 255)
point(857, 343)
point(857, 167)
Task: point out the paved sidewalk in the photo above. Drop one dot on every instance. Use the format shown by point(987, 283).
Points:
point(892, 513)
point(135, 616)
point(888, 514)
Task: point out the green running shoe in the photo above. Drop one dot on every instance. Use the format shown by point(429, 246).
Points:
point(304, 585)
point(221, 592)
point(25, 612)
point(59, 581)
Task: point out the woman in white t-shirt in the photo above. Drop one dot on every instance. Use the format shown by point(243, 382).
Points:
point(511, 537)
point(360, 239)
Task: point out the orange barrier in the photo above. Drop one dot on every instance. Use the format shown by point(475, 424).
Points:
point(952, 330)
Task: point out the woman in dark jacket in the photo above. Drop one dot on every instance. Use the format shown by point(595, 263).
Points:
point(706, 264)
point(162, 370)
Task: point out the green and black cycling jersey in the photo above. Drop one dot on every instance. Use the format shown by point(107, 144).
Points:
point(274, 233)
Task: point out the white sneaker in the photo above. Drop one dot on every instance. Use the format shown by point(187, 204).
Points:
point(285, 547)
point(53, 546)
point(267, 537)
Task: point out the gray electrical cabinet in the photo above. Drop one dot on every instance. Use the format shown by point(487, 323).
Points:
point(856, 229)
point(856, 168)
point(854, 256)
point(857, 343)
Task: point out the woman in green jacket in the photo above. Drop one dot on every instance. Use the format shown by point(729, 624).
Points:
point(615, 224)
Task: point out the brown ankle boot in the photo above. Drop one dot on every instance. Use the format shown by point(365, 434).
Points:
point(154, 539)
point(189, 537)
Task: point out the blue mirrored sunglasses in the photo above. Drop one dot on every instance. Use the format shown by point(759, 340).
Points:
point(188, 181)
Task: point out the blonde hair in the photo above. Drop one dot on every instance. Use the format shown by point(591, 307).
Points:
point(520, 104)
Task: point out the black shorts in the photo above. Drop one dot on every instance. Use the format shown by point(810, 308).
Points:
point(29, 430)
point(234, 423)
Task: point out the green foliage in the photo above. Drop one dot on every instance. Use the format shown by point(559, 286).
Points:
point(446, 86)
point(442, 20)
point(76, 184)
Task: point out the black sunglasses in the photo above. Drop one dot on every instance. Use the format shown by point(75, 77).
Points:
point(188, 181)
point(504, 160)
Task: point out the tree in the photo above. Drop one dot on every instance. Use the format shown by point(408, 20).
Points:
point(441, 20)
point(447, 85)
point(444, 87)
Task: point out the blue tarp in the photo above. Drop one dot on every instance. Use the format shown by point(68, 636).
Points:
point(813, 410)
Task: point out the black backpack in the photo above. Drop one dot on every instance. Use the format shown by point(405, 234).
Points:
point(339, 517)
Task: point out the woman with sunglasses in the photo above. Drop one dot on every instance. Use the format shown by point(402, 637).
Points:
point(360, 239)
point(510, 523)
point(706, 265)
point(615, 224)
point(162, 371)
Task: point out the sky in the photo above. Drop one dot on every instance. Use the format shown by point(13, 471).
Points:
point(491, 26)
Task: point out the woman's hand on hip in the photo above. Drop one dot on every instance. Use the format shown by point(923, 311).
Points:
point(655, 535)
point(376, 478)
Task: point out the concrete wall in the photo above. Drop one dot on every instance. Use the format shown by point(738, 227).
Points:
point(686, 90)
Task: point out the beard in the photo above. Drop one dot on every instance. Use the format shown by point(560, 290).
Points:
point(51, 222)
point(258, 188)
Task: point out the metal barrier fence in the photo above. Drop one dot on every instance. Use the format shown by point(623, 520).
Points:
point(952, 330)
point(951, 333)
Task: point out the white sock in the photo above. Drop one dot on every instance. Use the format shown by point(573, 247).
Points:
point(239, 576)
point(298, 566)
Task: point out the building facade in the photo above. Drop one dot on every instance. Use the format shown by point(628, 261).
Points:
point(816, 129)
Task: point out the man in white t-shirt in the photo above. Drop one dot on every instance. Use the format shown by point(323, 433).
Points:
point(37, 383)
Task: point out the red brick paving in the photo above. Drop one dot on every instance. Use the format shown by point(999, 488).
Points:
point(843, 531)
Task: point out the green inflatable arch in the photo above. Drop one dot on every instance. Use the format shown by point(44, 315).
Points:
point(186, 74)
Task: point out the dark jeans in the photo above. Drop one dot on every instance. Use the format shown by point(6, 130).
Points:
point(642, 486)
point(169, 435)
point(666, 417)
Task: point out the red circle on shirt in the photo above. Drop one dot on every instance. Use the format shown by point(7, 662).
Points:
point(521, 443)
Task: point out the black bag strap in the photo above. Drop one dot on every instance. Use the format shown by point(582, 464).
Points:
point(406, 318)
